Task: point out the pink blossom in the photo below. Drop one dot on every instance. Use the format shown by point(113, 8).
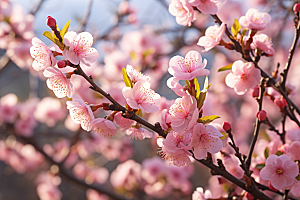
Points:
point(244, 76)
point(232, 165)
point(153, 168)
point(94, 195)
point(48, 191)
point(142, 97)
point(175, 149)
point(199, 194)
point(135, 75)
point(49, 110)
point(183, 12)
point(80, 48)
point(80, 112)
point(103, 126)
point(123, 122)
point(138, 132)
point(8, 108)
point(189, 67)
point(58, 82)
point(206, 6)
point(280, 170)
point(294, 150)
point(263, 42)
point(174, 84)
point(127, 175)
point(205, 139)
point(213, 36)
point(184, 113)
point(165, 119)
point(255, 20)
point(42, 55)
point(295, 190)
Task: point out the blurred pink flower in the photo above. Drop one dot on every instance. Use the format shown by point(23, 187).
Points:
point(280, 170)
point(49, 111)
point(103, 126)
point(153, 168)
point(255, 20)
point(243, 77)
point(8, 108)
point(142, 97)
point(58, 82)
point(189, 67)
point(293, 151)
point(263, 42)
point(184, 113)
point(213, 36)
point(94, 195)
point(42, 55)
point(80, 112)
point(207, 6)
point(205, 139)
point(80, 48)
point(183, 12)
point(175, 148)
point(232, 164)
point(199, 194)
point(47, 191)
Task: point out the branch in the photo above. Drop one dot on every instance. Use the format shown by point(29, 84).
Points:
point(85, 19)
point(257, 123)
point(34, 11)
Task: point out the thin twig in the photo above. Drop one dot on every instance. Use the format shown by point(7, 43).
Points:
point(38, 6)
point(85, 19)
point(257, 123)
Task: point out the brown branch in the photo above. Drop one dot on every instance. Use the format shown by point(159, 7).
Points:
point(257, 123)
point(38, 6)
point(85, 19)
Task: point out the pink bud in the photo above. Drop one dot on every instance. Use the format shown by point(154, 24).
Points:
point(281, 103)
point(51, 22)
point(249, 196)
point(296, 7)
point(261, 115)
point(255, 92)
point(61, 64)
point(271, 187)
point(226, 126)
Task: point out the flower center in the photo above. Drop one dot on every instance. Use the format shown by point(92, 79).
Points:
point(279, 171)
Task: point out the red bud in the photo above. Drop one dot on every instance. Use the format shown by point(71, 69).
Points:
point(226, 126)
point(249, 196)
point(271, 187)
point(61, 64)
point(296, 7)
point(51, 22)
point(255, 92)
point(281, 103)
point(261, 115)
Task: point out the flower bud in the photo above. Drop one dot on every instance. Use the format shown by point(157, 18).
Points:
point(296, 7)
point(261, 115)
point(51, 22)
point(255, 92)
point(249, 196)
point(61, 64)
point(226, 126)
point(271, 187)
point(280, 103)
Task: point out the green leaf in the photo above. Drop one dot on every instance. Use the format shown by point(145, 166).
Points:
point(197, 87)
point(224, 135)
point(65, 29)
point(227, 67)
point(243, 34)
point(48, 35)
point(279, 153)
point(139, 113)
point(236, 27)
point(260, 166)
point(207, 119)
point(267, 150)
point(203, 93)
point(126, 78)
